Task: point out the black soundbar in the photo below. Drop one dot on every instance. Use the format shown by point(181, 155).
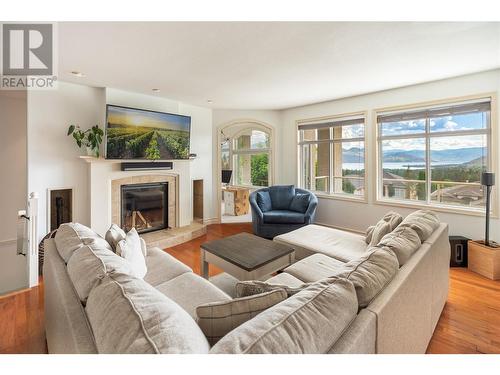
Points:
point(147, 165)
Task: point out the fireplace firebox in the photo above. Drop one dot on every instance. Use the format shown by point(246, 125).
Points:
point(144, 207)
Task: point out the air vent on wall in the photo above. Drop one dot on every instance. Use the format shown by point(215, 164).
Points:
point(145, 166)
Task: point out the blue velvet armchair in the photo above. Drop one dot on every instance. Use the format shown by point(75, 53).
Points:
point(281, 209)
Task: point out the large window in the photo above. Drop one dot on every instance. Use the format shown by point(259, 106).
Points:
point(332, 156)
point(435, 156)
point(251, 158)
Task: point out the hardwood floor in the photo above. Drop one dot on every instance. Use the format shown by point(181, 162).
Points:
point(470, 322)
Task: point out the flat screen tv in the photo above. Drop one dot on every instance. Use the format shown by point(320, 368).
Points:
point(140, 134)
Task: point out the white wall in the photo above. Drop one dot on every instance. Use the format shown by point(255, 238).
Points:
point(53, 158)
point(202, 146)
point(13, 194)
point(358, 216)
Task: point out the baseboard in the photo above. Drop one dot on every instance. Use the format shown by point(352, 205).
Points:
point(212, 220)
point(340, 228)
point(5, 243)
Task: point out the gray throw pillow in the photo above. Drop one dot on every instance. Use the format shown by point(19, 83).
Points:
point(300, 203)
point(308, 322)
point(371, 273)
point(281, 196)
point(380, 230)
point(216, 319)
point(424, 222)
point(403, 241)
point(114, 235)
point(393, 218)
point(264, 201)
point(253, 287)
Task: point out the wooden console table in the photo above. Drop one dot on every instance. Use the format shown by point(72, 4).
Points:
point(236, 200)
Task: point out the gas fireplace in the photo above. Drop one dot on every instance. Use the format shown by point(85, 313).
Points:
point(144, 206)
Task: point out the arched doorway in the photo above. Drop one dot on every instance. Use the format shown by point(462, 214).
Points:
point(246, 152)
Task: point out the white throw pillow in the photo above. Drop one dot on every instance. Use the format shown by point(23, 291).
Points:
point(114, 235)
point(144, 247)
point(131, 249)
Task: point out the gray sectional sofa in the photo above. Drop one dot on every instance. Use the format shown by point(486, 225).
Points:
point(119, 313)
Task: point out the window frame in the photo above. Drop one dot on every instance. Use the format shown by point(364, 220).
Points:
point(299, 143)
point(234, 152)
point(427, 135)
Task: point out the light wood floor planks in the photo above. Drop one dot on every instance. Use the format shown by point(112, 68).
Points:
point(470, 322)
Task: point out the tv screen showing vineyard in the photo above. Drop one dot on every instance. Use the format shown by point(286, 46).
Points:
point(140, 134)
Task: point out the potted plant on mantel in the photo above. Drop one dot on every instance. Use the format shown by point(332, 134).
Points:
point(484, 256)
point(91, 138)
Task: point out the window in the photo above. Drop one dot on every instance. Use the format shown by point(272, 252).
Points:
point(251, 158)
point(332, 156)
point(435, 156)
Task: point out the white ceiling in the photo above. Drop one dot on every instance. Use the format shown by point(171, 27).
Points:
point(262, 65)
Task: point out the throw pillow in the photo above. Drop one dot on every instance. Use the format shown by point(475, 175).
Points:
point(71, 236)
point(371, 273)
point(281, 196)
point(131, 249)
point(300, 203)
point(393, 218)
point(89, 264)
point(114, 235)
point(127, 315)
point(253, 287)
point(293, 326)
point(264, 201)
point(403, 241)
point(424, 222)
point(219, 318)
point(379, 231)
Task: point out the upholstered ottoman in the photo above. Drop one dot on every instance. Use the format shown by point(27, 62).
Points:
point(312, 239)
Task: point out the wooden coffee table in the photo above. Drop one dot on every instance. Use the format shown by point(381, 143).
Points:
point(245, 256)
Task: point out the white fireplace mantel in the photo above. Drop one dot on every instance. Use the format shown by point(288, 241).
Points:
point(102, 172)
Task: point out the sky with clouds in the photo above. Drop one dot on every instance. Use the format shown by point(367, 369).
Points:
point(473, 121)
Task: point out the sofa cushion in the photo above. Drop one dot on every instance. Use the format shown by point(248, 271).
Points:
point(114, 235)
point(190, 290)
point(403, 241)
point(315, 267)
point(311, 239)
point(216, 319)
point(71, 236)
point(371, 273)
point(131, 250)
point(264, 201)
point(424, 222)
point(393, 218)
point(162, 267)
point(127, 315)
point(285, 279)
point(292, 326)
point(88, 265)
point(379, 231)
point(283, 217)
point(281, 196)
point(300, 203)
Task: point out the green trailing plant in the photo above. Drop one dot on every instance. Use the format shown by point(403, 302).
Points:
point(90, 138)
